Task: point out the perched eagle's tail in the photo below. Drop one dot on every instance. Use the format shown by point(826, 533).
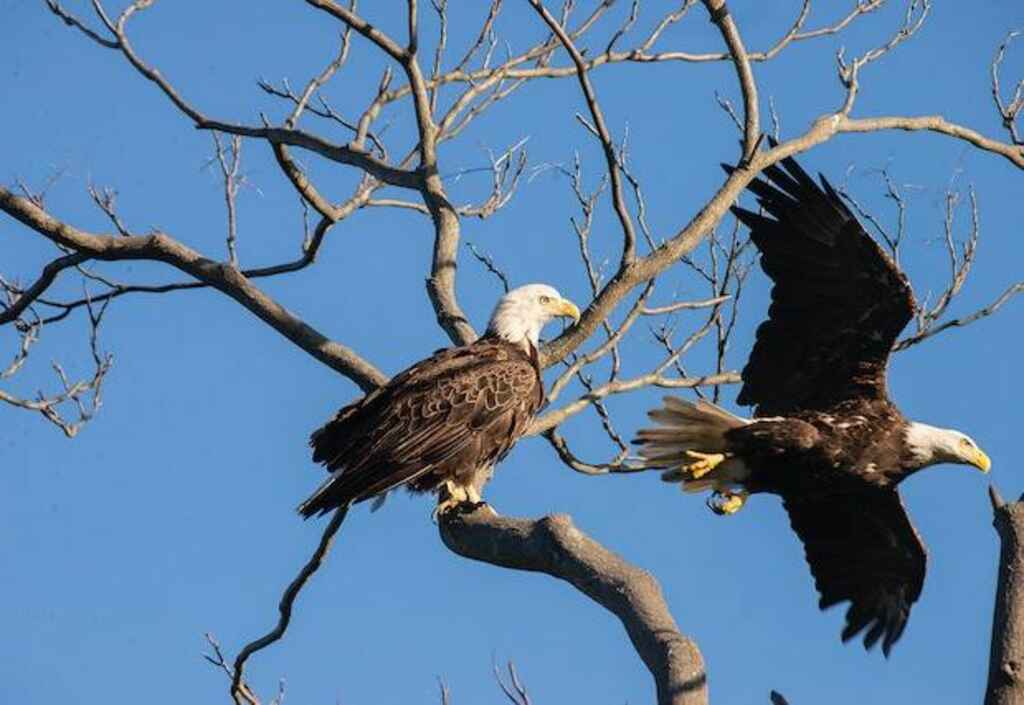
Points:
point(320, 502)
point(690, 445)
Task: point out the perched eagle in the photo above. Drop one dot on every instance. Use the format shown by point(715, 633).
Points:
point(825, 436)
point(442, 424)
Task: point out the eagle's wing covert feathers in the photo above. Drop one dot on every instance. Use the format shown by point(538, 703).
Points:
point(838, 303)
point(450, 409)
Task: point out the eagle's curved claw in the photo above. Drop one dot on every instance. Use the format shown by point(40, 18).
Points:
point(453, 497)
point(724, 503)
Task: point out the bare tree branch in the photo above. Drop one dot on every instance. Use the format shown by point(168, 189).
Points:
point(482, 79)
point(85, 396)
point(160, 247)
point(1012, 291)
point(618, 199)
point(23, 298)
point(72, 21)
point(916, 14)
point(230, 161)
point(1005, 678)
point(553, 545)
point(653, 379)
point(1010, 110)
point(238, 686)
point(514, 690)
point(751, 111)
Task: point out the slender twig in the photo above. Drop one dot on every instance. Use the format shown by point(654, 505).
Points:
point(601, 128)
point(287, 602)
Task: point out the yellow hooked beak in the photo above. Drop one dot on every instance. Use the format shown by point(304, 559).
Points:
point(564, 307)
point(980, 460)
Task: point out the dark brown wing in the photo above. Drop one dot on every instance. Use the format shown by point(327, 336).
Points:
point(461, 407)
point(862, 547)
point(838, 302)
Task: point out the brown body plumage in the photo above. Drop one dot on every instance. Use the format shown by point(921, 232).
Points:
point(442, 424)
point(825, 436)
point(450, 417)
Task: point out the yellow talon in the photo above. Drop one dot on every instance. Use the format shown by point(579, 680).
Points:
point(703, 463)
point(449, 497)
point(723, 503)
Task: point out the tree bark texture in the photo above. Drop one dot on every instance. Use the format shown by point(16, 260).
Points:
point(553, 545)
point(1006, 659)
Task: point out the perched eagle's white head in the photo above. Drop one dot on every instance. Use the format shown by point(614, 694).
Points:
point(522, 313)
point(930, 445)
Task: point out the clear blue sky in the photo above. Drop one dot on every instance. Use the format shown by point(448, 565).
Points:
point(172, 514)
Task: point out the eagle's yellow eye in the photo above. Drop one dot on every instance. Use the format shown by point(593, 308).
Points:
point(966, 442)
point(545, 300)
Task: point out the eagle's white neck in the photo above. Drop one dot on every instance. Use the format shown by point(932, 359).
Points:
point(522, 313)
point(516, 326)
point(929, 445)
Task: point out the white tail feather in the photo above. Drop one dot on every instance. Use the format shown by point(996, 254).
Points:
point(686, 426)
point(699, 427)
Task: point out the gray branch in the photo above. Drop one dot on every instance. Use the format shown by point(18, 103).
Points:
point(1006, 660)
point(553, 545)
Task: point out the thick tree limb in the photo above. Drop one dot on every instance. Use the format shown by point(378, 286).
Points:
point(553, 545)
point(1006, 659)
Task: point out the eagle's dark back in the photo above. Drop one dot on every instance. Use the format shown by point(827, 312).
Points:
point(448, 417)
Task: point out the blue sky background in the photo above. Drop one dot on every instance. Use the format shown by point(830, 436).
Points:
point(172, 514)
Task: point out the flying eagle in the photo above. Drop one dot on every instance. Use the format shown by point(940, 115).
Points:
point(825, 435)
point(442, 424)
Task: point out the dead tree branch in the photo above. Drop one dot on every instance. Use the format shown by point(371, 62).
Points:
point(241, 692)
point(85, 396)
point(554, 546)
point(230, 161)
point(1005, 679)
point(601, 128)
point(481, 80)
point(1008, 110)
point(160, 247)
point(751, 110)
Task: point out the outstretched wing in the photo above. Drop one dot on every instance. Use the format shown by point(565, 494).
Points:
point(861, 547)
point(460, 408)
point(838, 302)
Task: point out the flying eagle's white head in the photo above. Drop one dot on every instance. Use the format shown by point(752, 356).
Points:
point(930, 445)
point(522, 313)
